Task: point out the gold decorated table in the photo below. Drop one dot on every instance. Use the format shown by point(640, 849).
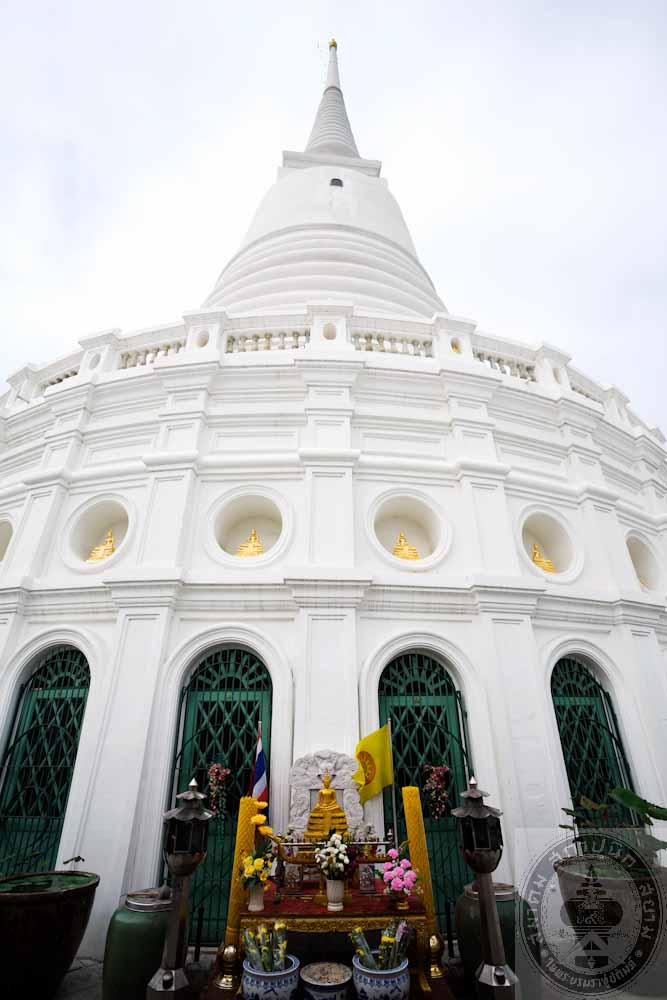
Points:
point(372, 912)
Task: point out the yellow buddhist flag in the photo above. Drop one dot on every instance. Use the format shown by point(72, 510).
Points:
point(375, 770)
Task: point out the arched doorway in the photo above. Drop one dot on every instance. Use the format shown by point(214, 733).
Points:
point(226, 697)
point(593, 751)
point(38, 761)
point(429, 727)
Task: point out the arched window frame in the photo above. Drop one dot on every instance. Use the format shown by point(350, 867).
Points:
point(24, 794)
point(609, 720)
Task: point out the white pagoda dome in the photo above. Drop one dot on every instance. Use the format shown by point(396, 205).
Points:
point(328, 231)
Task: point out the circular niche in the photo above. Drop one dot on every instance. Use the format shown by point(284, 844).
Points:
point(644, 562)
point(248, 527)
point(548, 545)
point(409, 524)
point(91, 532)
point(6, 532)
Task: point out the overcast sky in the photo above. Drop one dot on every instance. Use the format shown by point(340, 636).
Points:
point(526, 143)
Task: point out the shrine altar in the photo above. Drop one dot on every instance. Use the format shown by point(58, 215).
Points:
point(372, 912)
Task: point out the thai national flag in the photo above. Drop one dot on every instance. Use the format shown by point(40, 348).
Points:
point(259, 784)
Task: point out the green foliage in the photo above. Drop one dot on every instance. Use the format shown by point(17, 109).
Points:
point(647, 810)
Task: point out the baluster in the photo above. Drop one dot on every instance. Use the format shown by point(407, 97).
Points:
point(301, 338)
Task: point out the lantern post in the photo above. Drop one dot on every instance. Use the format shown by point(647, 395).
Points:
point(482, 848)
point(185, 841)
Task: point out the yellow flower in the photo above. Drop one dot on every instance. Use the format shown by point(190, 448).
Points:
point(263, 875)
point(258, 820)
point(265, 831)
point(258, 864)
point(261, 806)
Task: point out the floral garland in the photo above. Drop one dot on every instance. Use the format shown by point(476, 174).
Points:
point(435, 790)
point(217, 782)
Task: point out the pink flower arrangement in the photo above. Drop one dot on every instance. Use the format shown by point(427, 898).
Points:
point(398, 876)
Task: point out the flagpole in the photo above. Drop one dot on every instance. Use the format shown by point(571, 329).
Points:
point(254, 761)
point(393, 784)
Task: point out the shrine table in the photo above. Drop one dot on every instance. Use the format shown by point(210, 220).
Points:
point(372, 912)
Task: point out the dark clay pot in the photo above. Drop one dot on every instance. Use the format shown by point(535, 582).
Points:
point(466, 917)
point(43, 917)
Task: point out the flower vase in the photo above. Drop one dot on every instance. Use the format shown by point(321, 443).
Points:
point(255, 899)
point(335, 893)
point(381, 984)
point(400, 902)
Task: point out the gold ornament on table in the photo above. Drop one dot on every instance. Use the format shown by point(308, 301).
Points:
point(252, 546)
point(327, 817)
point(103, 550)
point(403, 549)
point(542, 561)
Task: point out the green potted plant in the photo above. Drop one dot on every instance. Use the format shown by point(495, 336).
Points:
point(382, 973)
point(637, 876)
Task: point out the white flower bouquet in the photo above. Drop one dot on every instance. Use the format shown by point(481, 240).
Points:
point(332, 858)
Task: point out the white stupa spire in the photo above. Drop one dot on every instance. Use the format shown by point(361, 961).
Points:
point(332, 132)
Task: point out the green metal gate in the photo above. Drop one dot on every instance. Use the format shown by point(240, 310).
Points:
point(429, 727)
point(595, 760)
point(37, 765)
point(221, 706)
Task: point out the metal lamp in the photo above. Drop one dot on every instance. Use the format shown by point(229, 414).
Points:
point(185, 841)
point(482, 848)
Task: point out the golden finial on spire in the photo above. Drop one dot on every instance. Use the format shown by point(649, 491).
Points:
point(333, 44)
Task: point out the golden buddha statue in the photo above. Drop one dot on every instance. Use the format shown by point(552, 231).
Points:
point(403, 549)
point(103, 550)
point(251, 547)
point(327, 817)
point(542, 561)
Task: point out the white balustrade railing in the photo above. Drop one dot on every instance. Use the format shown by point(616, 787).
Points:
point(146, 355)
point(392, 343)
point(57, 379)
point(267, 340)
point(506, 365)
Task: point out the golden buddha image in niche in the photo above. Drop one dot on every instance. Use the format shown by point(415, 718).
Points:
point(103, 550)
point(327, 816)
point(403, 549)
point(251, 547)
point(542, 561)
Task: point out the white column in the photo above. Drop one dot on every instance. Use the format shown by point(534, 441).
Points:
point(107, 827)
point(327, 702)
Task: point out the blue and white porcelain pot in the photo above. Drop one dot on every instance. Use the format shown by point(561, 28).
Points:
point(271, 985)
point(381, 984)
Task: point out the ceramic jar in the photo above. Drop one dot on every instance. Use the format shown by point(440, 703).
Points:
point(255, 898)
point(283, 985)
point(335, 893)
point(381, 984)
